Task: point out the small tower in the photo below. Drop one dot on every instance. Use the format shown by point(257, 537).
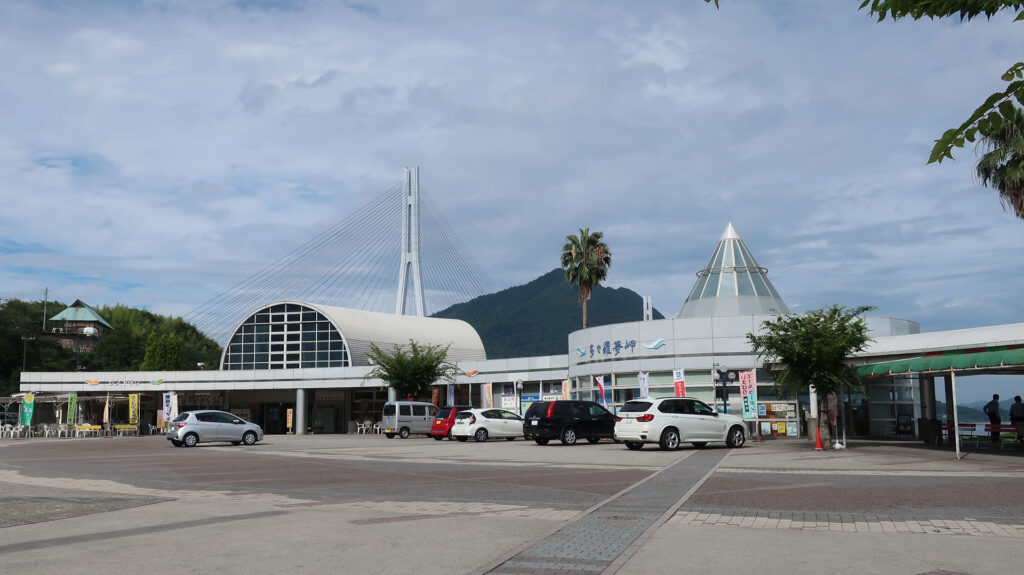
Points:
point(410, 264)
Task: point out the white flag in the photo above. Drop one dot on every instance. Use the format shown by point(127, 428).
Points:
point(644, 391)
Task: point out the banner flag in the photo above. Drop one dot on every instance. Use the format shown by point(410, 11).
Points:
point(168, 406)
point(748, 393)
point(174, 406)
point(435, 395)
point(28, 406)
point(600, 385)
point(679, 380)
point(133, 408)
point(565, 389)
point(486, 396)
point(106, 410)
point(644, 388)
point(72, 408)
point(451, 394)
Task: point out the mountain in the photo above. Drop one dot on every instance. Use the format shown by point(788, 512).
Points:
point(968, 414)
point(536, 318)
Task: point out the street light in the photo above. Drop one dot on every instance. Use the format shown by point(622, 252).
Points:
point(519, 392)
point(24, 350)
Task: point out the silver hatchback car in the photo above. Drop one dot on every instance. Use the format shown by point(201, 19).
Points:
point(192, 427)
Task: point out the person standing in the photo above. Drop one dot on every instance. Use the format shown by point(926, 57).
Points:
point(1017, 417)
point(991, 409)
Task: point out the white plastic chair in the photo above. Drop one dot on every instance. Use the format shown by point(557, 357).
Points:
point(7, 431)
point(50, 430)
point(362, 427)
point(376, 427)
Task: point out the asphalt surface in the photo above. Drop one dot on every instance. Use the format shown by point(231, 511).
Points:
point(372, 505)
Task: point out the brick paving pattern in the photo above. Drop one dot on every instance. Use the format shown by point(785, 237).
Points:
point(590, 544)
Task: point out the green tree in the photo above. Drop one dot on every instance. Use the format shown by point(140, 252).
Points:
point(153, 350)
point(585, 259)
point(1001, 164)
point(812, 349)
point(411, 370)
point(162, 353)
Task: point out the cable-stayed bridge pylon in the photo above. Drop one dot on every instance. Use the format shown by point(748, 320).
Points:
point(399, 237)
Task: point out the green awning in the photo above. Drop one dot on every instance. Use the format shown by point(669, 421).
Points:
point(956, 361)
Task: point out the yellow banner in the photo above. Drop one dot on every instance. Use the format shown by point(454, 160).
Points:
point(133, 408)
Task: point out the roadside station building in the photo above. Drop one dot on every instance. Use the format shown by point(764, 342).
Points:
point(311, 358)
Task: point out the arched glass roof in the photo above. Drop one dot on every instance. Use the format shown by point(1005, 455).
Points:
point(285, 336)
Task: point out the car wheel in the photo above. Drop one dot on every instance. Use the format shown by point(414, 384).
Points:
point(389, 435)
point(437, 437)
point(569, 436)
point(593, 440)
point(699, 444)
point(191, 440)
point(669, 439)
point(635, 445)
point(249, 438)
point(736, 437)
point(462, 438)
point(176, 443)
point(403, 433)
point(510, 439)
point(480, 435)
point(541, 441)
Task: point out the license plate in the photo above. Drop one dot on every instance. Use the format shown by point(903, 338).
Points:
point(437, 421)
point(533, 422)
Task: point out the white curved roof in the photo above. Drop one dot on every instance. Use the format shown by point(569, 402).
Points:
point(361, 328)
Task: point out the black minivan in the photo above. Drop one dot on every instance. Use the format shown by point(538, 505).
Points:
point(567, 421)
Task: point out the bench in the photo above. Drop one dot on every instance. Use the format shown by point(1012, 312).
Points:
point(127, 429)
point(82, 430)
point(1001, 429)
point(966, 430)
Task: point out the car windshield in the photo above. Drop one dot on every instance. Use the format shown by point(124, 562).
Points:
point(182, 417)
point(443, 412)
point(389, 409)
point(464, 415)
point(537, 409)
point(635, 406)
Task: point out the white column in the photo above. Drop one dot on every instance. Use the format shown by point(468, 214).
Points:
point(300, 412)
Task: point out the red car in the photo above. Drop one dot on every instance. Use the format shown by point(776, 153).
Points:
point(444, 420)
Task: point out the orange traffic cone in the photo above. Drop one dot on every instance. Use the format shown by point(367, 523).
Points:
point(817, 440)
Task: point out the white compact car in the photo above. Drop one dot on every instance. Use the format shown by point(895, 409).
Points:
point(669, 421)
point(481, 424)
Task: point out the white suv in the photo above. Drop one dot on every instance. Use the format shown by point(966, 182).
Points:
point(669, 421)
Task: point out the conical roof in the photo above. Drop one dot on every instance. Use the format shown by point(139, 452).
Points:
point(732, 283)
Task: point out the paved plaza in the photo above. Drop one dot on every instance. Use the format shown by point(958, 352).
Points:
point(366, 504)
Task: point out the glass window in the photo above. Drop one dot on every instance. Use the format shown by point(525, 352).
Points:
point(277, 347)
point(759, 286)
point(597, 411)
point(293, 357)
point(491, 414)
point(277, 337)
point(716, 260)
point(702, 409)
point(728, 286)
point(293, 337)
point(277, 318)
point(711, 290)
point(698, 288)
point(404, 410)
point(260, 358)
point(743, 283)
point(277, 357)
point(262, 328)
point(278, 308)
point(261, 347)
point(292, 347)
point(262, 318)
point(309, 315)
point(729, 261)
point(309, 356)
point(277, 327)
point(294, 317)
point(308, 346)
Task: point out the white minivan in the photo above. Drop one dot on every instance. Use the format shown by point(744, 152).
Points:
point(402, 418)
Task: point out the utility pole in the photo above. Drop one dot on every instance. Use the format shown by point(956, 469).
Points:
point(24, 350)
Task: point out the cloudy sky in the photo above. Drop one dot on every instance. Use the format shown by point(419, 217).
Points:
point(157, 153)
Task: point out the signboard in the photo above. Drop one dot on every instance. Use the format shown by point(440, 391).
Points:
point(508, 402)
point(28, 406)
point(169, 407)
point(526, 401)
point(435, 395)
point(72, 408)
point(133, 408)
point(288, 419)
point(679, 380)
point(748, 394)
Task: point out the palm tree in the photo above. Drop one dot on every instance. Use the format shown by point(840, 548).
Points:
point(1001, 165)
point(586, 260)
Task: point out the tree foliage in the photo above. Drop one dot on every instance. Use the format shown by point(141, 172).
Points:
point(812, 348)
point(162, 353)
point(411, 370)
point(122, 349)
point(1001, 164)
point(585, 259)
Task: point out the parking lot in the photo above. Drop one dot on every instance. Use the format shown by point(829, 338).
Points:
point(337, 503)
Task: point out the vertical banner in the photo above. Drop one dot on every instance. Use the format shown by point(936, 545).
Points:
point(133, 408)
point(679, 380)
point(288, 419)
point(435, 395)
point(600, 385)
point(451, 394)
point(486, 396)
point(28, 406)
point(174, 406)
point(72, 408)
point(644, 386)
point(748, 393)
point(565, 389)
point(168, 404)
point(106, 410)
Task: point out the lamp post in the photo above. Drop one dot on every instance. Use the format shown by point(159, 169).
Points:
point(24, 350)
point(519, 393)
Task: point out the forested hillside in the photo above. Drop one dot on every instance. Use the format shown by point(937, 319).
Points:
point(170, 339)
point(536, 318)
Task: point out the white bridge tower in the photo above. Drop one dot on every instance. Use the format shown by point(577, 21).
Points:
point(410, 243)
